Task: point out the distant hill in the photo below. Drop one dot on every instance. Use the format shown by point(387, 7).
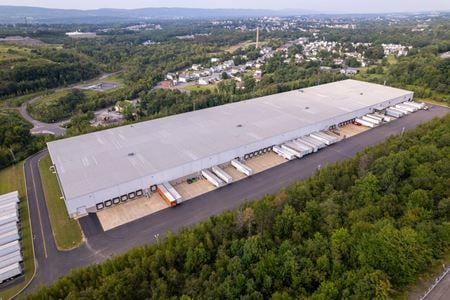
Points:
point(17, 14)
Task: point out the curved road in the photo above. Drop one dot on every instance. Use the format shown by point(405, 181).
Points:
point(53, 128)
point(99, 245)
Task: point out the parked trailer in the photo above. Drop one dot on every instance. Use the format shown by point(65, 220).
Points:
point(308, 144)
point(4, 200)
point(406, 108)
point(10, 271)
point(412, 108)
point(173, 192)
point(394, 113)
point(384, 117)
point(241, 167)
point(331, 136)
point(9, 248)
point(404, 111)
point(9, 211)
point(331, 139)
point(408, 104)
point(222, 174)
point(370, 119)
point(319, 144)
point(9, 206)
point(213, 179)
point(8, 227)
point(12, 217)
point(11, 258)
point(420, 105)
point(301, 146)
point(297, 153)
point(320, 138)
point(365, 123)
point(170, 200)
point(283, 153)
point(376, 117)
point(298, 147)
point(8, 237)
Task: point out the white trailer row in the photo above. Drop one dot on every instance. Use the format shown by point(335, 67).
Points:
point(283, 153)
point(213, 179)
point(241, 167)
point(10, 249)
point(222, 174)
point(404, 108)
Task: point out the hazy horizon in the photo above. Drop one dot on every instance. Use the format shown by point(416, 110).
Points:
point(344, 6)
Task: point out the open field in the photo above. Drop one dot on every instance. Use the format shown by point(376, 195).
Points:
point(66, 231)
point(196, 87)
point(11, 179)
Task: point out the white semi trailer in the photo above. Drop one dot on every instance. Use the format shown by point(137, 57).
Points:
point(308, 144)
point(292, 150)
point(376, 117)
point(420, 105)
point(406, 107)
point(319, 144)
point(173, 192)
point(370, 119)
point(213, 179)
point(9, 248)
point(10, 271)
point(404, 111)
point(241, 167)
point(394, 112)
point(11, 258)
point(365, 123)
point(222, 174)
point(7, 227)
point(8, 237)
point(299, 147)
point(11, 217)
point(283, 153)
point(330, 138)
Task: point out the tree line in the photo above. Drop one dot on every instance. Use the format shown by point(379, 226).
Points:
point(363, 228)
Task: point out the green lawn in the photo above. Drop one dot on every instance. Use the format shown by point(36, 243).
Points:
point(12, 179)
point(67, 231)
point(196, 87)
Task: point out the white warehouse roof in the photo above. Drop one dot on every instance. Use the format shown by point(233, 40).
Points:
point(100, 160)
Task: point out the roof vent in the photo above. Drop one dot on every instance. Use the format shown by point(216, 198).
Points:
point(361, 93)
point(239, 125)
point(131, 154)
point(306, 107)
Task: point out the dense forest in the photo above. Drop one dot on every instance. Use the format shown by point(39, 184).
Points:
point(364, 228)
point(42, 68)
point(16, 142)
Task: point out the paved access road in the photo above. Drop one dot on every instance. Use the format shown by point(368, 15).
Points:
point(100, 245)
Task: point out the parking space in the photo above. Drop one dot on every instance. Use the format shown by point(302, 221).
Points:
point(263, 162)
point(230, 170)
point(351, 130)
point(193, 189)
point(126, 212)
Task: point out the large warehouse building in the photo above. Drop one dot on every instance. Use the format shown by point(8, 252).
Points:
point(95, 167)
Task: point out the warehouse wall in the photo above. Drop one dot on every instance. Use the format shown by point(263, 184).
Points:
point(82, 203)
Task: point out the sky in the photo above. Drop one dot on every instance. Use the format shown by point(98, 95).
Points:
point(357, 6)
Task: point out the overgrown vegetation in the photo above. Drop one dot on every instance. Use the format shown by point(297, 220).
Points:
point(25, 70)
point(16, 142)
point(361, 229)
